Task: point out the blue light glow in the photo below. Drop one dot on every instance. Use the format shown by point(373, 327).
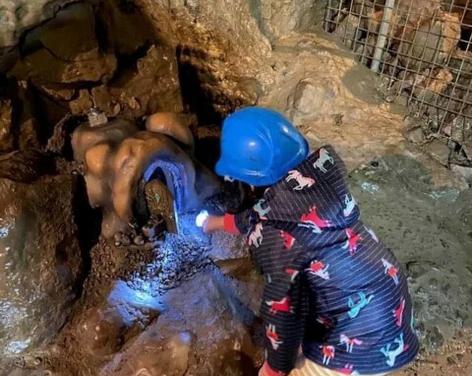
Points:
point(174, 173)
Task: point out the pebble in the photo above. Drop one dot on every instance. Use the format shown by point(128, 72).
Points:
point(125, 240)
point(138, 240)
point(117, 236)
point(439, 151)
point(149, 232)
point(148, 246)
point(416, 135)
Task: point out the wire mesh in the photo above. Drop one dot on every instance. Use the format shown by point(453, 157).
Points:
point(422, 50)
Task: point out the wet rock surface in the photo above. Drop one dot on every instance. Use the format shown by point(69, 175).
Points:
point(422, 225)
point(56, 53)
point(278, 19)
point(40, 259)
point(23, 14)
point(24, 166)
point(6, 137)
point(182, 334)
point(219, 54)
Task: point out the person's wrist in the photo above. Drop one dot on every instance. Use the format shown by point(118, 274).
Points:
point(213, 223)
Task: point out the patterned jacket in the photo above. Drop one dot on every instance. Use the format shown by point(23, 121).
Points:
point(331, 286)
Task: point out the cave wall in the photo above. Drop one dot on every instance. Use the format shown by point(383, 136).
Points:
point(280, 18)
point(41, 267)
point(219, 52)
point(129, 59)
point(220, 47)
point(274, 18)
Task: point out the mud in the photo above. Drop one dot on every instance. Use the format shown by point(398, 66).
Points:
point(420, 222)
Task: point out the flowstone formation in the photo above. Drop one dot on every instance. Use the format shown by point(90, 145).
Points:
point(118, 158)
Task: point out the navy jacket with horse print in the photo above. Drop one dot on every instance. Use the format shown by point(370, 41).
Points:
point(330, 285)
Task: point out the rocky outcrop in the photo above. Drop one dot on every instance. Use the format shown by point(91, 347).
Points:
point(180, 341)
point(65, 50)
point(280, 18)
point(6, 136)
point(40, 261)
point(219, 53)
point(20, 15)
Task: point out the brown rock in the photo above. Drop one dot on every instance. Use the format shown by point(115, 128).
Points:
point(346, 30)
point(82, 104)
point(94, 67)
point(429, 83)
point(433, 41)
point(25, 166)
point(280, 18)
point(126, 28)
point(58, 93)
point(70, 32)
point(65, 50)
point(41, 261)
point(85, 137)
point(175, 357)
point(138, 240)
point(154, 88)
point(439, 150)
point(6, 134)
point(102, 331)
point(91, 66)
point(463, 171)
point(160, 203)
point(103, 100)
point(57, 142)
point(173, 125)
point(309, 99)
point(416, 135)
point(28, 137)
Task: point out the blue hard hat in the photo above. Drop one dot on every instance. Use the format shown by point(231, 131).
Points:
point(259, 146)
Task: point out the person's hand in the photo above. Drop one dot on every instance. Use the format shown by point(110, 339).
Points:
point(213, 224)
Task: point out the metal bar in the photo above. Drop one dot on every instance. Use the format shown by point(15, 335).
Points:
point(365, 51)
point(455, 85)
point(383, 33)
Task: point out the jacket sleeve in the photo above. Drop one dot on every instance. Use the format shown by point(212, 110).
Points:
point(284, 302)
point(283, 315)
point(240, 223)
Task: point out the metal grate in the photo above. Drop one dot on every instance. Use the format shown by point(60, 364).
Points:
point(422, 50)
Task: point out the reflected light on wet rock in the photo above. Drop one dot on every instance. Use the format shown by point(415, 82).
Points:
point(4, 232)
point(138, 297)
point(16, 347)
